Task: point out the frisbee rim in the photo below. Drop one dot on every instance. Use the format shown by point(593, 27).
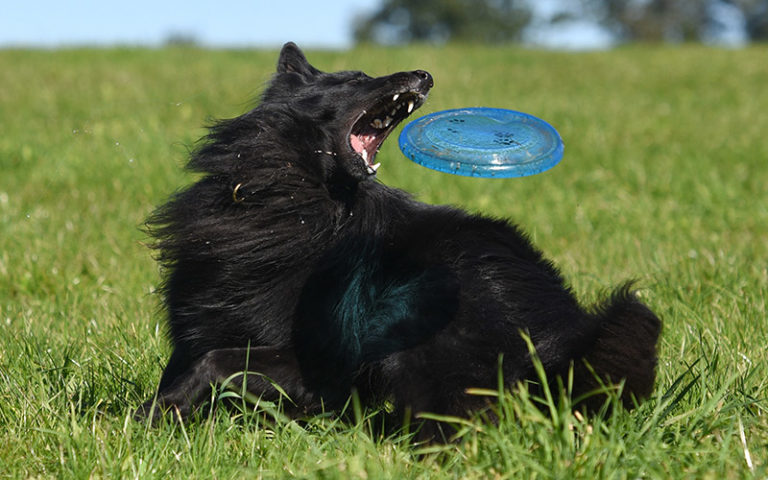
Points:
point(541, 163)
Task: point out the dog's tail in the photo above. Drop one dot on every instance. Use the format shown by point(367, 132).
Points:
point(624, 350)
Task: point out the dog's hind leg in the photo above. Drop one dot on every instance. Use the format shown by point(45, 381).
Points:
point(262, 367)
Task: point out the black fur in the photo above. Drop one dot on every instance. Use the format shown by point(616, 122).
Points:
point(288, 258)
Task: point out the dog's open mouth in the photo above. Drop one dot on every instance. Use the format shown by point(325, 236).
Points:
point(376, 123)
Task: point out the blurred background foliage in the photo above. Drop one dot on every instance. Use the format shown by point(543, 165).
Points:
point(504, 21)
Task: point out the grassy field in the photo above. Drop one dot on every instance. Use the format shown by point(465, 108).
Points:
point(664, 179)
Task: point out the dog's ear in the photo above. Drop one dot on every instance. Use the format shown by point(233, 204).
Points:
point(292, 60)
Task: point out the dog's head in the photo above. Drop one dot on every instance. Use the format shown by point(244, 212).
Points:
point(343, 117)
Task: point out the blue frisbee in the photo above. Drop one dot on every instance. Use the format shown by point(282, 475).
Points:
point(482, 142)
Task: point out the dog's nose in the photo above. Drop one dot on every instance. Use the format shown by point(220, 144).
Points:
point(425, 77)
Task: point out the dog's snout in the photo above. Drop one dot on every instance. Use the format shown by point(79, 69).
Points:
point(425, 77)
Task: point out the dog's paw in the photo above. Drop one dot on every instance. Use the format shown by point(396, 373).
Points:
point(153, 411)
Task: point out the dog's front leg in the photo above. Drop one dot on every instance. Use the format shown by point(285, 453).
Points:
point(262, 367)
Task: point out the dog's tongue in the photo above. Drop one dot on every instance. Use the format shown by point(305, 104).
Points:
point(357, 143)
point(363, 142)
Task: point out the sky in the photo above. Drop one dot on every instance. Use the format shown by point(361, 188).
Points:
point(228, 23)
point(223, 23)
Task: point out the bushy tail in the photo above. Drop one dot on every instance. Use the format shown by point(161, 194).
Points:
point(624, 350)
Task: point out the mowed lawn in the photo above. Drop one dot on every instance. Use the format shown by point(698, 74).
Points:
point(664, 180)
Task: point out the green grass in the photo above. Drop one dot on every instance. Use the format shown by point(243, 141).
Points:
point(665, 179)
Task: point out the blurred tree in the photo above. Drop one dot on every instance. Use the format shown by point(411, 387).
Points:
point(181, 39)
point(675, 20)
point(440, 21)
point(652, 20)
point(756, 16)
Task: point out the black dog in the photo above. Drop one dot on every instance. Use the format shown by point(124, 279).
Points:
point(289, 259)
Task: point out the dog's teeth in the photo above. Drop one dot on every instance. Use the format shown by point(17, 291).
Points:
point(393, 112)
point(375, 167)
point(364, 154)
point(410, 107)
point(387, 121)
point(376, 123)
point(395, 97)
